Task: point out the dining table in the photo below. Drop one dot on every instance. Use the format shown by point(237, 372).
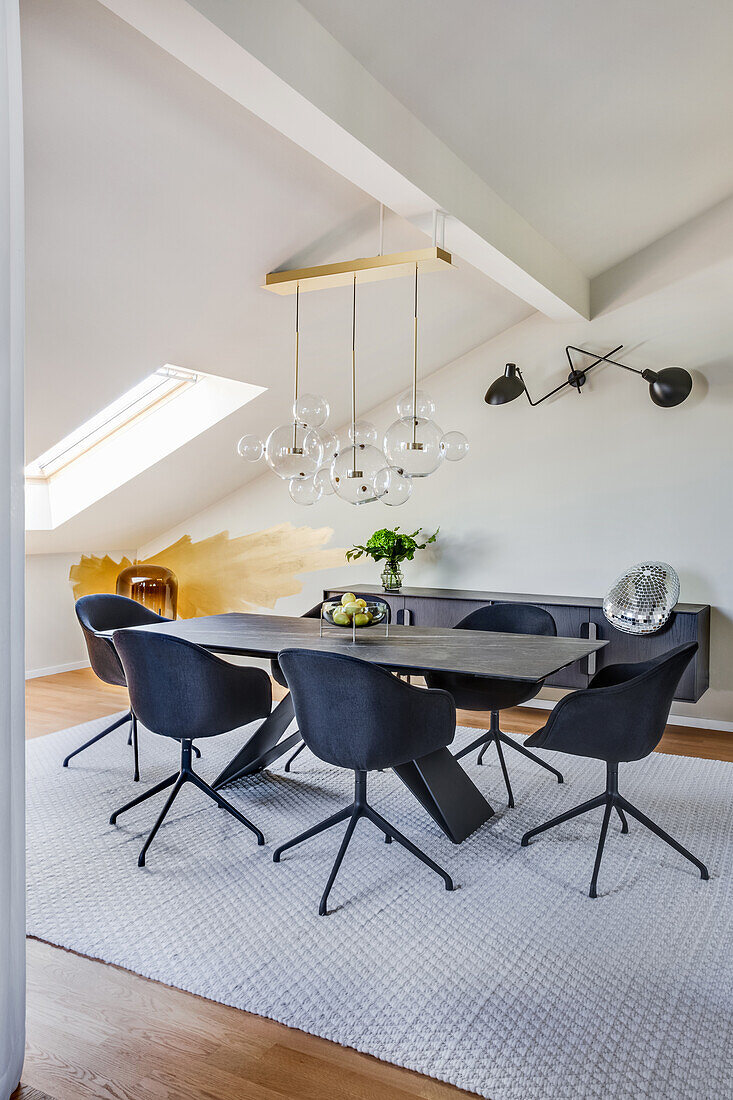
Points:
point(437, 780)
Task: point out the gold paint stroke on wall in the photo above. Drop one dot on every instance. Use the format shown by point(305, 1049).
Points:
point(220, 573)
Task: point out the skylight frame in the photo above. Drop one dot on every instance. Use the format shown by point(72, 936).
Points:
point(163, 385)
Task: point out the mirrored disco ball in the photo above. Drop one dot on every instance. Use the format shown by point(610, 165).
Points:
point(643, 598)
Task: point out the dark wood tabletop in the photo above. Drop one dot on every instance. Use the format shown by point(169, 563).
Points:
point(525, 657)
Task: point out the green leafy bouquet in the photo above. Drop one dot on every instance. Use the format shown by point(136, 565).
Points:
point(391, 546)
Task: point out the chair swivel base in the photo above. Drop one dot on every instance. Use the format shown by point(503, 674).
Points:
point(359, 808)
point(177, 780)
point(131, 740)
point(494, 735)
point(612, 800)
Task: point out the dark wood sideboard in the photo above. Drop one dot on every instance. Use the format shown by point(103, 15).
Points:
point(575, 617)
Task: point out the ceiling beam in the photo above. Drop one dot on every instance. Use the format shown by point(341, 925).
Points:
point(279, 63)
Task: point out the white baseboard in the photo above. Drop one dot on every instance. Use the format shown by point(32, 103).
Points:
point(674, 719)
point(52, 670)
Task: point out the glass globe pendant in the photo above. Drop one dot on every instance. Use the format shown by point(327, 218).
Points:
point(420, 401)
point(454, 446)
point(392, 487)
point(250, 448)
point(311, 409)
point(413, 445)
point(354, 473)
point(363, 431)
point(293, 451)
point(304, 490)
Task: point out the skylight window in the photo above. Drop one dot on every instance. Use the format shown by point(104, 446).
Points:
point(141, 427)
point(163, 385)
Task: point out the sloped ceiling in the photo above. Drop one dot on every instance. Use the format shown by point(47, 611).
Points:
point(155, 205)
point(605, 124)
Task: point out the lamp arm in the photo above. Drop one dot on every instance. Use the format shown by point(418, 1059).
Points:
point(526, 391)
point(605, 359)
point(568, 349)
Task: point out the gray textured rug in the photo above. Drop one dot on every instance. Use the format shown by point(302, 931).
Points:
point(517, 986)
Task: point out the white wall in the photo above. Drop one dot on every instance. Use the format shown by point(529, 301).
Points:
point(53, 640)
point(562, 498)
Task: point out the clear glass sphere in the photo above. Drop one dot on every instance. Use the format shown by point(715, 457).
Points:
point(363, 432)
point(364, 459)
point(330, 444)
point(250, 448)
point(425, 405)
point(311, 409)
point(392, 487)
point(414, 462)
point(322, 479)
point(283, 440)
point(303, 490)
point(454, 446)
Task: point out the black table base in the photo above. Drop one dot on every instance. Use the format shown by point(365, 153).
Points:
point(443, 788)
point(437, 781)
point(263, 747)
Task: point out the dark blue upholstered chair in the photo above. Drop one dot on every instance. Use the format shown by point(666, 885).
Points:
point(619, 717)
point(482, 693)
point(182, 691)
point(391, 723)
point(106, 612)
point(277, 673)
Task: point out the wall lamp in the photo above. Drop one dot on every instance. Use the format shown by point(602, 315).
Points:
point(667, 387)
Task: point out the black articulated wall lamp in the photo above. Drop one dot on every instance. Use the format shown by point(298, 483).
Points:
point(667, 387)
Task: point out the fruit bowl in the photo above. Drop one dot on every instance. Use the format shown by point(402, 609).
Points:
point(354, 613)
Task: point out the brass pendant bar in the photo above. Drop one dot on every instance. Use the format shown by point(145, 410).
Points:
point(368, 270)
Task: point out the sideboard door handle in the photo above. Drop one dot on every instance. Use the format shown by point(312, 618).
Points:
point(592, 637)
point(407, 617)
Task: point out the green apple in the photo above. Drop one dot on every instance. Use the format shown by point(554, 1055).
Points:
point(362, 619)
point(348, 597)
point(341, 618)
point(353, 608)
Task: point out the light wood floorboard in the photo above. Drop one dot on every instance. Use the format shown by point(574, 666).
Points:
point(96, 1032)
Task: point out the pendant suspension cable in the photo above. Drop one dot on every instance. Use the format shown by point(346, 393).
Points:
point(414, 370)
point(295, 388)
point(353, 472)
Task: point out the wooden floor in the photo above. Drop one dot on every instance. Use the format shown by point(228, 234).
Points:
point(96, 1032)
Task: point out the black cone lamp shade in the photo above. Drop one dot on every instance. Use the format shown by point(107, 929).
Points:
point(668, 387)
point(505, 388)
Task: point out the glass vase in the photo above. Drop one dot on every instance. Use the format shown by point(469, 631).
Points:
point(392, 576)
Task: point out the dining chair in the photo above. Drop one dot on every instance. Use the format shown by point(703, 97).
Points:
point(619, 717)
point(104, 612)
point(181, 691)
point(277, 673)
point(389, 723)
point(489, 693)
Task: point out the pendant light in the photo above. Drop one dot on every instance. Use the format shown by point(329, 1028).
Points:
point(414, 444)
point(354, 469)
point(317, 463)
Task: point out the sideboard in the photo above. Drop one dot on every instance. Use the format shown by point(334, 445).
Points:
point(575, 617)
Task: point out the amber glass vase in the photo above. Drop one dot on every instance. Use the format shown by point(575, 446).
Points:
point(153, 586)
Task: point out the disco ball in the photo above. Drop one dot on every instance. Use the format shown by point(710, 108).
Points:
point(642, 599)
